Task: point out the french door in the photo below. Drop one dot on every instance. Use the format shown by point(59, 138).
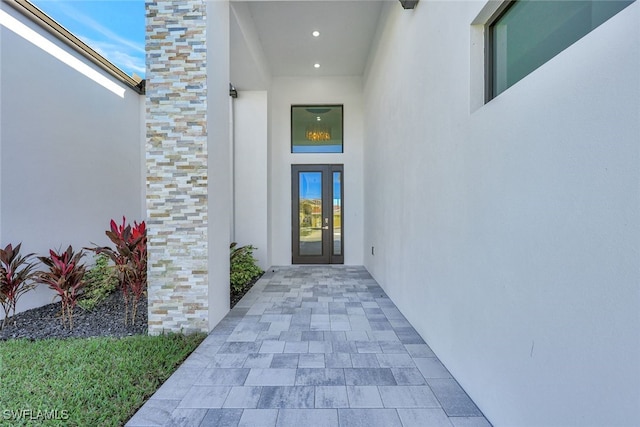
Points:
point(317, 197)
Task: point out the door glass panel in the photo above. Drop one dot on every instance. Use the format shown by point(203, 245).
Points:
point(310, 211)
point(337, 213)
point(317, 199)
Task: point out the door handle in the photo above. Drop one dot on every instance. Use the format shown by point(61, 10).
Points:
point(326, 227)
point(326, 224)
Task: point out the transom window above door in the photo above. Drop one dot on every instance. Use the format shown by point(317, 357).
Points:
point(316, 129)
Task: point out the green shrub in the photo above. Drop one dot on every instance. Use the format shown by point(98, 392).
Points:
point(243, 266)
point(102, 281)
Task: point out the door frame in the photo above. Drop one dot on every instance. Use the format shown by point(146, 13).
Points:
point(328, 256)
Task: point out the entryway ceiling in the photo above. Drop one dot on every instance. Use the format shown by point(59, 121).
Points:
point(274, 38)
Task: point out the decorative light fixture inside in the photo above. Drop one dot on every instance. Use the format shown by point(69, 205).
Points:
point(316, 128)
point(318, 132)
point(315, 33)
point(316, 65)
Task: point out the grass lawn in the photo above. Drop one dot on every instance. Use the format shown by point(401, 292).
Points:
point(85, 382)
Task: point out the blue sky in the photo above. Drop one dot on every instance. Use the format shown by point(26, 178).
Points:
point(114, 28)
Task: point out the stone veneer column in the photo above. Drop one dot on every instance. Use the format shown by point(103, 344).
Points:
point(176, 160)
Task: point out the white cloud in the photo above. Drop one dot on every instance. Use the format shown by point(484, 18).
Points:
point(126, 54)
point(118, 54)
point(78, 16)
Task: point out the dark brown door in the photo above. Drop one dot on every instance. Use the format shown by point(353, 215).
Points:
point(316, 206)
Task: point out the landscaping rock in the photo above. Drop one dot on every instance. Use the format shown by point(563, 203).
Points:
point(107, 319)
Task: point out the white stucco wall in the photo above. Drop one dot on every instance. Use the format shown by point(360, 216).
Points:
point(71, 151)
point(286, 91)
point(219, 158)
point(250, 172)
point(509, 235)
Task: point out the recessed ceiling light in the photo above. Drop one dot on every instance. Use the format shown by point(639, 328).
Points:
point(316, 65)
point(315, 33)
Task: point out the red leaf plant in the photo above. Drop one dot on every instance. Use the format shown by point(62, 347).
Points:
point(130, 259)
point(65, 277)
point(16, 278)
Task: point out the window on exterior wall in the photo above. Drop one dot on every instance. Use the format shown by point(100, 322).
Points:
point(528, 33)
point(316, 128)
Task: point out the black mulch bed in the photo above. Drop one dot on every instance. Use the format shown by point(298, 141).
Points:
point(107, 319)
point(237, 296)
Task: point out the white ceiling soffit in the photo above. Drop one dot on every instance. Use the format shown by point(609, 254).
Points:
point(249, 66)
point(273, 38)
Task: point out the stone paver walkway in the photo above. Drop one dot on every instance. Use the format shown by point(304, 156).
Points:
point(312, 346)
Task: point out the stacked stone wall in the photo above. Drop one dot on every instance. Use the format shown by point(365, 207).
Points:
point(176, 163)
